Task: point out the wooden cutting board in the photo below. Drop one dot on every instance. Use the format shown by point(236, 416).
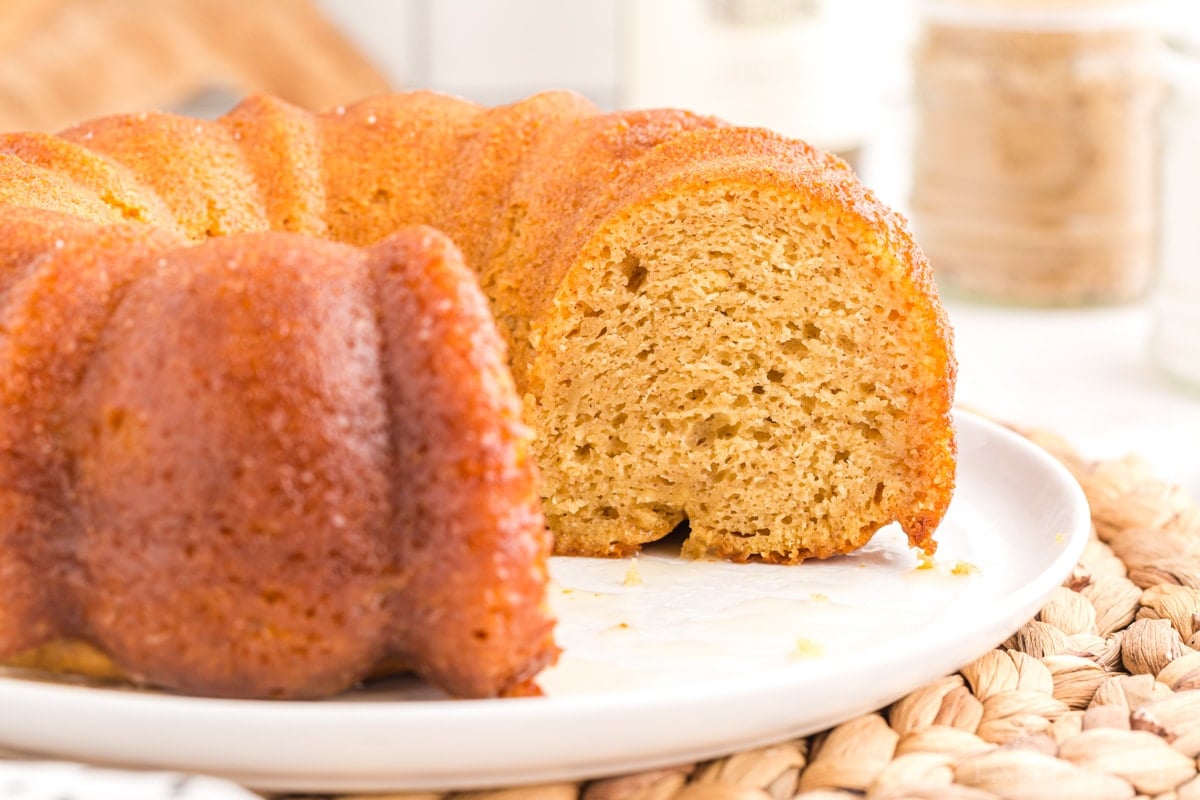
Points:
point(62, 61)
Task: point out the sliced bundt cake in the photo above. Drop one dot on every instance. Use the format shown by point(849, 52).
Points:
point(263, 466)
point(255, 442)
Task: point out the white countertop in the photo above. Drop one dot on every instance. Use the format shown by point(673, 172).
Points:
point(1086, 374)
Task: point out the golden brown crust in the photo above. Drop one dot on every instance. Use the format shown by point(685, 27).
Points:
point(60, 278)
point(471, 542)
point(30, 186)
point(282, 149)
point(243, 445)
point(479, 210)
point(314, 464)
point(195, 166)
point(387, 161)
point(112, 184)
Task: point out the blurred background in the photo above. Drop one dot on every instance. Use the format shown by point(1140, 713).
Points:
point(1046, 151)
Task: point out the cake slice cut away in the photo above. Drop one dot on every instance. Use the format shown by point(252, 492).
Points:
point(746, 340)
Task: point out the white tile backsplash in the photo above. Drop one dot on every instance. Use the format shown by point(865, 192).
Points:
point(490, 51)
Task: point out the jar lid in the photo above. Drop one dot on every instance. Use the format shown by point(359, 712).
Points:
point(1044, 15)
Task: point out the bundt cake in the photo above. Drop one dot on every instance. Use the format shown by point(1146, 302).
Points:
point(257, 438)
point(261, 466)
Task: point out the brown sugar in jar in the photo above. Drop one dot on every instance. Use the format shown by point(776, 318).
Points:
point(1034, 164)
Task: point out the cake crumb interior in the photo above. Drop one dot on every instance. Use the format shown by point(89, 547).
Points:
point(732, 359)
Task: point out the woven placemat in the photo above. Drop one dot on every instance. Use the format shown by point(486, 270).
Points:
point(1097, 697)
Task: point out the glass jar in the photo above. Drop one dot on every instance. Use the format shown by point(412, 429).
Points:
point(1035, 148)
point(1176, 339)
